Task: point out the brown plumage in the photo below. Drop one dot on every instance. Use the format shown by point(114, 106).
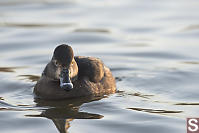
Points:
point(66, 76)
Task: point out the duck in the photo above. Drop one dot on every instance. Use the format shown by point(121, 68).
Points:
point(69, 76)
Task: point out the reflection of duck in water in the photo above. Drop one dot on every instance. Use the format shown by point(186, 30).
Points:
point(66, 76)
point(64, 111)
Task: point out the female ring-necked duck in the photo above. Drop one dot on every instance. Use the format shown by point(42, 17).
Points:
point(66, 76)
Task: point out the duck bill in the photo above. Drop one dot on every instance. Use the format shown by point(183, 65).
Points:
point(65, 81)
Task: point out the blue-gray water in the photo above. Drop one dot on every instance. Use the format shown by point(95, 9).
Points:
point(151, 47)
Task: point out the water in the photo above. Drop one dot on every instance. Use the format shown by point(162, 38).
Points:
point(150, 46)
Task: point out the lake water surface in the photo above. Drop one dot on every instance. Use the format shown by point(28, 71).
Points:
point(151, 46)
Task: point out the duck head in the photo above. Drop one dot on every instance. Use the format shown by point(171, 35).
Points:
point(65, 66)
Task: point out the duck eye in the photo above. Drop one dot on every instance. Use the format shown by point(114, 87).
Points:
point(56, 63)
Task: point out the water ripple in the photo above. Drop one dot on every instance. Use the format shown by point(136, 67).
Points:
point(10, 69)
point(92, 30)
point(158, 111)
point(36, 25)
point(32, 78)
point(191, 27)
point(187, 104)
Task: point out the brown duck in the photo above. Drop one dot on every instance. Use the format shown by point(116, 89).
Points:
point(66, 76)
